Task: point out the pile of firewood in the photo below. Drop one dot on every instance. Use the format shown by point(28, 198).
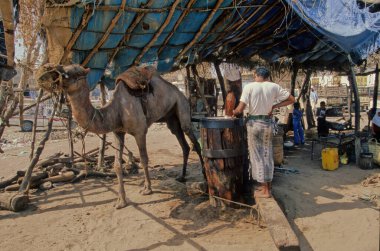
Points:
point(59, 168)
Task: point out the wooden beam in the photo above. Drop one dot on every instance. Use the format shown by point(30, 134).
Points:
point(293, 79)
point(270, 46)
point(279, 228)
point(129, 31)
point(260, 30)
point(146, 9)
point(242, 24)
point(179, 21)
point(199, 33)
point(85, 19)
point(106, 34)
point(200, 90)
point(158, 33)
point(354, 88)
point(376, 88)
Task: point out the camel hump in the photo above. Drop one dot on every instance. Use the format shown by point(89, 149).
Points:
point(137, 78)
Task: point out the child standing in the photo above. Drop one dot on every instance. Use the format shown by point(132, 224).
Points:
point(323, 127)
point(297, 125)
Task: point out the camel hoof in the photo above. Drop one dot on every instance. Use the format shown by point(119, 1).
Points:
point(120, 204)
point(181, 179)
point(146, 191)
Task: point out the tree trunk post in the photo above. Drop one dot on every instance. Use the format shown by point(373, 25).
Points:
point(354, 88)
point(40, 93)
point(70, 135)
point(102, 143)
point(200, 90)
point(24, 187)
point(221, 83)
point(293, 79)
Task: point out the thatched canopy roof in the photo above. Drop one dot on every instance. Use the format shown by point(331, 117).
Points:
point(110, 36)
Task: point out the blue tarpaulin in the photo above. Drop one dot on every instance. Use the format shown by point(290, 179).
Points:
point(309, 32)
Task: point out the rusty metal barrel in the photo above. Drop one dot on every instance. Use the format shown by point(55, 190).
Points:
point(224, 153)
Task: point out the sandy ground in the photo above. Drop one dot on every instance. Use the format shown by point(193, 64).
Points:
point(327, 210)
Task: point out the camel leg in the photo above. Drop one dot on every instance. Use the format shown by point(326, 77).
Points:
point(185, 120)
point(190, 134)
point(119, 138)
point(175, 128)
point(141, 143)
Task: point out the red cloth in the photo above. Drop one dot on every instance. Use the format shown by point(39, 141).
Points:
point(230, 104)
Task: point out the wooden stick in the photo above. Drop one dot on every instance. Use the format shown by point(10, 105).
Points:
point(200, 92)
point(85, 19)
point(13, 201)
point(179, 21)
point(52, 159)
point(129, 31)
point(221, 82)
point(158, 33)
point(70, 135)
point(106, 33)
point(199, 33)
point(8, 181)
point(32, 105)
point(40, 94)
point(63, 177)
point(25, 183)
point(102, 143)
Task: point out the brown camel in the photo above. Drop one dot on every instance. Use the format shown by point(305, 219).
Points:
point(127, 113)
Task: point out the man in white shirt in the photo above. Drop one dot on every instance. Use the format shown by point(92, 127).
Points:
point(262, 97)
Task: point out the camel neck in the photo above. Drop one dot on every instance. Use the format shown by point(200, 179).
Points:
point(86, 115)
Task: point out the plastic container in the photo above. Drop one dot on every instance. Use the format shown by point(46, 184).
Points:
point(365, 161)
point(330, 159)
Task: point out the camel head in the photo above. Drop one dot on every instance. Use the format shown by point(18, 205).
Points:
point(70, 78)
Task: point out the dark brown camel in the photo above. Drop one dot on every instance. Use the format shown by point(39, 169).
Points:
point(126, 113)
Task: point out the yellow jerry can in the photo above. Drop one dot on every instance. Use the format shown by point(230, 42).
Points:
point(330, 159)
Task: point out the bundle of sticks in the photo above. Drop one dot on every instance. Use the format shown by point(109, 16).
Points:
point(59, 168)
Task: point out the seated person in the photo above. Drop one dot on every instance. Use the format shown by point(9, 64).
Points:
point(322, 124)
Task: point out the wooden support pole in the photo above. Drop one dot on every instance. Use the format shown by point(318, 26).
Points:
point(102, 143)
point(293, 79)
point(199, 89)
point(70, 134)
point(221, 82)
point(40, 94)
point(376, 88)
point(26, 181)
point(354, 88)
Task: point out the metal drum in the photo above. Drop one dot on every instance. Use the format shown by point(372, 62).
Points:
point(224, 152)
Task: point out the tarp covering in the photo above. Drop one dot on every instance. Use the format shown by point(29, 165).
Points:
point(354, 29)
point(110, 36)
